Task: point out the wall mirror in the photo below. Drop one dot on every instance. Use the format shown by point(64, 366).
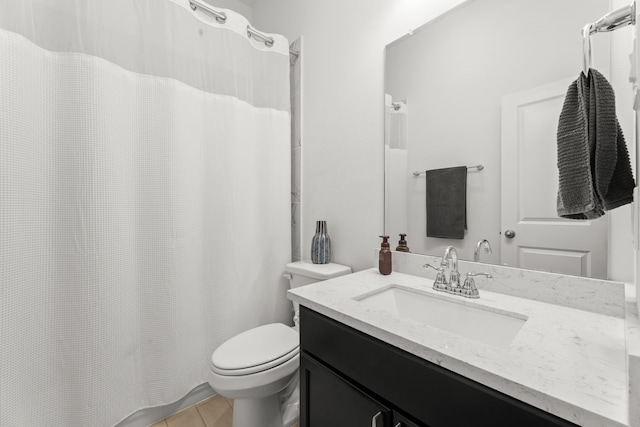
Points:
point(484, 85)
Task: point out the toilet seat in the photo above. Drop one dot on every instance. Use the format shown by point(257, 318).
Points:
point(256, 350)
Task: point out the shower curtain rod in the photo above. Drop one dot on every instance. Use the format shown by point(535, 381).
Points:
point(613, 20)
point(221, 17)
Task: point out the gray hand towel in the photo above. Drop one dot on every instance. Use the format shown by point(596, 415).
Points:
point(447, 202)
point(593, 162)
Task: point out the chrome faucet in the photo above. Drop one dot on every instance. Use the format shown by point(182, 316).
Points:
point(452, 286)
point(479, 245)
point(441, 283)
point(454, 275)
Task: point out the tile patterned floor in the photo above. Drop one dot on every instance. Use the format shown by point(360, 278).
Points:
point(216, 411)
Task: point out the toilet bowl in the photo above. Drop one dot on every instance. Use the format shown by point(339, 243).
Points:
point(252, 368)
point(258, 368)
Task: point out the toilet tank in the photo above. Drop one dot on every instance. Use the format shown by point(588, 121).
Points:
point(302, 273)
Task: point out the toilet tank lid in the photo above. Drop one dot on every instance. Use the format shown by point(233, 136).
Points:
point(317, 271)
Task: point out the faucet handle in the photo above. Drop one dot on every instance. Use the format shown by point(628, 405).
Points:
point(438, 269)
point(469, 288)
point(487, 275)
point(440, 283)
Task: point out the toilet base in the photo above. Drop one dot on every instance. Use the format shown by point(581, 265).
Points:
point(263, 412)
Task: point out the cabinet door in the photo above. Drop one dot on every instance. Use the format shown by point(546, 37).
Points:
point(329, 400)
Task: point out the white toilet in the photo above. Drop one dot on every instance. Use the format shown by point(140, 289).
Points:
point(255, 366)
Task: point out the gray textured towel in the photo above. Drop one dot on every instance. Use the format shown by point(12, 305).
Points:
point(447, 202)
point(593, 162)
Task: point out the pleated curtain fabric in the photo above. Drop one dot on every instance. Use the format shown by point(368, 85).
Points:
point(144, 190)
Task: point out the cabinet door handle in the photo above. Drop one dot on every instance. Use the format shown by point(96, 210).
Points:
point(374, 420)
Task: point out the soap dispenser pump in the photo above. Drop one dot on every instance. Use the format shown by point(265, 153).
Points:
point(384, 258)
point(402, 244)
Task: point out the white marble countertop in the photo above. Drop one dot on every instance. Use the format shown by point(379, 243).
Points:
point(569, 362)
point(633, 350)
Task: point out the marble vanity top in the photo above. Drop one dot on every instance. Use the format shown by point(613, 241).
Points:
point(566, 361)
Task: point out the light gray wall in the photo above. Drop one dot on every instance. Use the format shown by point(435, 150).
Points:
point(342, 110)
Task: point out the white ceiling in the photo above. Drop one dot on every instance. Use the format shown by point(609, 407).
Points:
point(250, 3)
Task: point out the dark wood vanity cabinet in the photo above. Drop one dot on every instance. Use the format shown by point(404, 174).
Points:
point(402, 421)
point(334, 401)
point(348, 377)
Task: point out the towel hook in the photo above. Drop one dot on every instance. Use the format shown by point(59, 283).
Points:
point(587, 58)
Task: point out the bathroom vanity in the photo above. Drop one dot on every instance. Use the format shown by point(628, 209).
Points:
point(364, 362)
point(349, 378)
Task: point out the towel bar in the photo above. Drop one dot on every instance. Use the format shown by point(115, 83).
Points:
point(613, 20)
point(479, 167)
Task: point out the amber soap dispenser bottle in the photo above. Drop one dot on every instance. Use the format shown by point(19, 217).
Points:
point(384, 259)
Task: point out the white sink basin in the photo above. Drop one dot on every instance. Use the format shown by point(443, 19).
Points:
point(496, 327)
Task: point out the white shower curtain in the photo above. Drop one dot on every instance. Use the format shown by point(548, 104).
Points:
point(144, 202)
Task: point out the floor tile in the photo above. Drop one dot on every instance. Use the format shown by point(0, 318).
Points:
point(190, 417)
point(216, 412)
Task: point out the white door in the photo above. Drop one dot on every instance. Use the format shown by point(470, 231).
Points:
point(533, 236)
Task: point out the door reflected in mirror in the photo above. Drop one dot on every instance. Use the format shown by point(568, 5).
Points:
point(484, 85)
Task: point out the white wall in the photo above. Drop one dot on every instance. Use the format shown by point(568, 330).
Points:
point(342, 107)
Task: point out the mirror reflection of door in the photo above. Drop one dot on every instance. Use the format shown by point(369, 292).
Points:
point(540, 240)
